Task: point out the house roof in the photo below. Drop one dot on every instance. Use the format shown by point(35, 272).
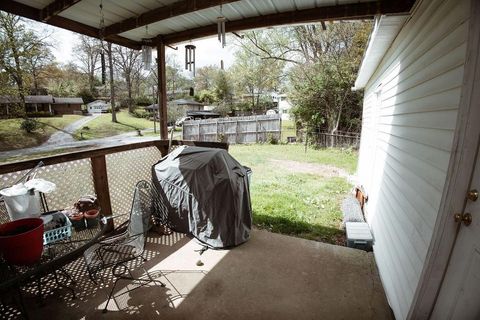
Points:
point(67, 100)
point(39, 99)
point(181, 102)
point(383, 34)
point(174, 21)
point(9, 99)
point(97, 102)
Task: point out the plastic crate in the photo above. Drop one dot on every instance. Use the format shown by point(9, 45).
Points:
point(359, 236)
point(60, 233)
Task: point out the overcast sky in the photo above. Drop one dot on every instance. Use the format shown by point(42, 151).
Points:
point(208, 51)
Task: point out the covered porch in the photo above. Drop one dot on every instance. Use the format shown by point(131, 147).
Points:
point(271, 275)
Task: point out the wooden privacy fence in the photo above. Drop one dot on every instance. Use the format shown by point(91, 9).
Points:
point(339, 140)
point(233, 130)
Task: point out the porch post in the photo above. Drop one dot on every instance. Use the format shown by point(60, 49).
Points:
point(162, 91)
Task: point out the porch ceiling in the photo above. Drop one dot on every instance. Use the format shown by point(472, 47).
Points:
point(171, 21)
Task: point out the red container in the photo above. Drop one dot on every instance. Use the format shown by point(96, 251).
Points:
point(21, 241)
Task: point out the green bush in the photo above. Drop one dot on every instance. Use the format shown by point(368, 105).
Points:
point(40, 114)
point(272, 139)
point(29, 125)
point(140, 113)
point(143, 101)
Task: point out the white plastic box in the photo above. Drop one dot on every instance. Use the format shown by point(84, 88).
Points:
point(359, 236)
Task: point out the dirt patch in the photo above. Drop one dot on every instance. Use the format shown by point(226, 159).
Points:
point(313, 168)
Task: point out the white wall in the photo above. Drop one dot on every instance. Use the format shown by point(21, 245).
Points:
point(409, 116)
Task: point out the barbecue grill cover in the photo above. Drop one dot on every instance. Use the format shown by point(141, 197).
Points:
point(207, 193)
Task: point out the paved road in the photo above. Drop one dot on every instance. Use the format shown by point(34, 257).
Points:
point(126, 138)
point(65, 136)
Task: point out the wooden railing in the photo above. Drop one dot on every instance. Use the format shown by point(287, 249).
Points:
point(112, 174)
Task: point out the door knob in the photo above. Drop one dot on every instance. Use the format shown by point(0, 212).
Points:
point(472, 195)
point(466, 218)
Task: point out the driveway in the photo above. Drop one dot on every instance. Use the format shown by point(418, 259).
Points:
point(65, 136)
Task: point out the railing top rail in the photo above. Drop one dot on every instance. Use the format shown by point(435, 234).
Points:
point(90, 153)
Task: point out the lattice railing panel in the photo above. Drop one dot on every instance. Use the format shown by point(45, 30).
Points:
point(73, 179)
point(124, 170)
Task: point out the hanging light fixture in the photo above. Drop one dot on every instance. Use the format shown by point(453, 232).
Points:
point(190, 58)
point(146, 51)
point(221, 28)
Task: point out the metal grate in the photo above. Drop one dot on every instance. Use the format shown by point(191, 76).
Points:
point(124, 170)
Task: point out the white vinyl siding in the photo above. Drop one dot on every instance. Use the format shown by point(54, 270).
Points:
point(409, 117)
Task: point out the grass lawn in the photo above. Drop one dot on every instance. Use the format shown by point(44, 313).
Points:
point(12, 137)
point(103, 126)
point(302, 204)
point(288, 129)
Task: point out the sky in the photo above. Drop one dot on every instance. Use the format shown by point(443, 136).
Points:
point(208, 51)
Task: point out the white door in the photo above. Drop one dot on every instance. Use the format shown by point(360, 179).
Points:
point(459, 296)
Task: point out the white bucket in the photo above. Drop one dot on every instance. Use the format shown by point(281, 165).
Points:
point(21, 206)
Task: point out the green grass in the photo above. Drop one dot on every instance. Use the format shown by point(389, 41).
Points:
point(257, 154)
point(288, 129)
point(299, 204)
point(12, 137)
point(103, 126)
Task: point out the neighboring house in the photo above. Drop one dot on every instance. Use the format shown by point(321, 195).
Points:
point(67, 105)
point(98, 106)
point(185, 105)
point(418, 157)
point(283, 105)
point(6, 105)
point(39, 103)
point(42, 103)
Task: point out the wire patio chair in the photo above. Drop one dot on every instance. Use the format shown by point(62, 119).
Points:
point(118, 252)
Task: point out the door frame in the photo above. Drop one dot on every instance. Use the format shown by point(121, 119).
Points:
point(459, 175)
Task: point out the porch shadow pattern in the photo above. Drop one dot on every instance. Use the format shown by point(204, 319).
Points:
point(270, 276)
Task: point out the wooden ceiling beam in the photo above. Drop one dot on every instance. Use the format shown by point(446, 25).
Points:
point(362, 10)
point(55, 8)
point(162, 13)
point(25, 11)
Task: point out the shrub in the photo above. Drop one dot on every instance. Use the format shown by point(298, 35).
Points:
point(140, 113)
point(272, 139)
point(40, 114)
point(29, 125)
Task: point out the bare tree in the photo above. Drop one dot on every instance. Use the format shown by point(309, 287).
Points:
point(112, 84)
point(129, 65)
point(88, 55)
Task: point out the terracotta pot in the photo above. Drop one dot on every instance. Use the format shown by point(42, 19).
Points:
point(91, 218)
point(21, 241)
point(78, 221)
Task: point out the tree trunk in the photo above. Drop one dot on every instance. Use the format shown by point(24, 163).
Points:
point(112, 86)
point(129, 91)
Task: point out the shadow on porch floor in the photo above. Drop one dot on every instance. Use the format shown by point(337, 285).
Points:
point(271, 276)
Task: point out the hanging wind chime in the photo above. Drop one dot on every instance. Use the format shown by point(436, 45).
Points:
point(221, 28)
point(190, 58)
point(221, 32)
point(146, 51)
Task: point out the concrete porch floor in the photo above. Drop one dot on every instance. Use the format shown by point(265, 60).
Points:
point(271, 276)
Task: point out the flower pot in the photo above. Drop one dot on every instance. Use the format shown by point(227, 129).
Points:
point(78, 221)
point(91, 218)
point(21, 241)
